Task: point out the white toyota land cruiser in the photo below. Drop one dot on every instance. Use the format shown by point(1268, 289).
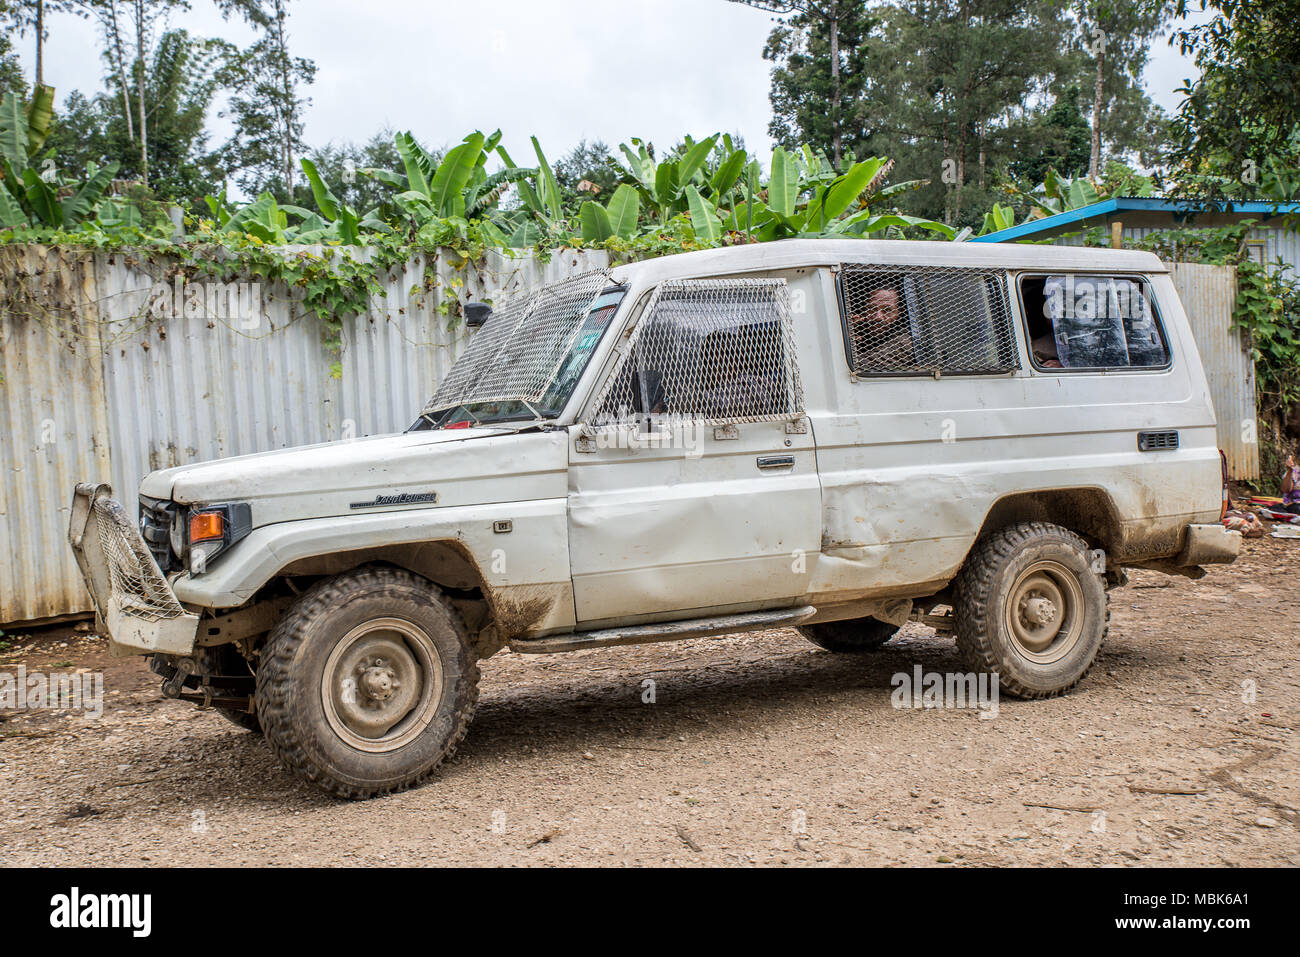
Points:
point(831, 435)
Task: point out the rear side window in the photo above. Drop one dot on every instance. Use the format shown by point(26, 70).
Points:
point(711, 351)
point(925, 320)
point(1092, 322)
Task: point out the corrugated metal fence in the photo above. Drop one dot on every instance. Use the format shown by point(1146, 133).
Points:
point(1209, 295)
point(106, 375)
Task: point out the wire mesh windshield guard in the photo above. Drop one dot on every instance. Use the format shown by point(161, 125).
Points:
point(706, 352)
point(518, 351)
point(920, 320)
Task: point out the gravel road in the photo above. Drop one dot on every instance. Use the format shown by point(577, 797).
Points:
point(757, 749)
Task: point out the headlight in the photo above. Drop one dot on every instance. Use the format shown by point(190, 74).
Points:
point(211, 529)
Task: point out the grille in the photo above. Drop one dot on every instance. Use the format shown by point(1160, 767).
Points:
point(710, 351)
point(920, 320)
point(517, 352)
point(155, 528)
point(135, 578)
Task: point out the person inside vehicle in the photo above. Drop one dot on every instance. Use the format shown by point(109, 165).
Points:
point(1045, 352)
point(882, 338)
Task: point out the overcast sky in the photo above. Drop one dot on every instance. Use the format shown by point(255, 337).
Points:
point(562, 69)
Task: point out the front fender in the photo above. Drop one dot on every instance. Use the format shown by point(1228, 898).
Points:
point(518, 566)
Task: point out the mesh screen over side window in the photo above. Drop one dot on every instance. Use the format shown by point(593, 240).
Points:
point(708, 351)
point(918, 320)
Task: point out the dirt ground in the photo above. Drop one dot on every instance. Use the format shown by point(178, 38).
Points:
point(758, 749)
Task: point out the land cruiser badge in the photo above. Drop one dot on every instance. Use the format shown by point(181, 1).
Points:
point(385, 501)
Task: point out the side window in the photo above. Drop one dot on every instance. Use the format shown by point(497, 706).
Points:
point(922, 320)
point(1092, 322)
point(711, 351)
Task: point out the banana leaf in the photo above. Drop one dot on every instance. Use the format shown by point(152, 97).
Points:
point(447, 192)
point(87, 199)
point(13, 133)
point(43, 199)
point(40, 115)
point(704, 218)
point(624, 211)
point(596, 225)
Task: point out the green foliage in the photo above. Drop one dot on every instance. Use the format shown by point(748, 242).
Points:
point(1057, 139)
point(1268, 303)
point(1245, 106)
point(40, 196)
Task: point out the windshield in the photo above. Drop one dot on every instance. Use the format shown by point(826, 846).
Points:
point(527, 359)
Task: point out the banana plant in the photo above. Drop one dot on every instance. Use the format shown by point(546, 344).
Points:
point(663, 185)
point(262, 219)
point(1058, 194)
point(31, 197)
point(542, 214)
point(805, 197)
point(340, 222)
point(997, 219)
point(620, 218)
point(434, 195)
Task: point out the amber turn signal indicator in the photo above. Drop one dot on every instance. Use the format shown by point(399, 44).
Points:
point(205, 526)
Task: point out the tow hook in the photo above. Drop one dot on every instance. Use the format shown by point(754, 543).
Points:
point(172, 686)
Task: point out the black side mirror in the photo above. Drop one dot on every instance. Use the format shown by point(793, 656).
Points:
point(477, 313)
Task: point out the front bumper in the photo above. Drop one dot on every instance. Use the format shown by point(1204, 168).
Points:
point(133, 601)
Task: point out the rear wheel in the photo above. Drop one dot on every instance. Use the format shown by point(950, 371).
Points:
point(851, 637)
point(368, 683)
point(1030, 608)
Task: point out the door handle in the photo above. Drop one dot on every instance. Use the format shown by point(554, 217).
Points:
point(776, 461)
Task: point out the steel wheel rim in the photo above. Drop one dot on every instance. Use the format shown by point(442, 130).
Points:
point(1043, 613)
point(382, 684)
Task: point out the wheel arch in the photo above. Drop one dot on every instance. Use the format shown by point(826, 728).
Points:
point(1088, 511)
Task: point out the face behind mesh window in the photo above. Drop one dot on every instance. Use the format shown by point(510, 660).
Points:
point(923, 320)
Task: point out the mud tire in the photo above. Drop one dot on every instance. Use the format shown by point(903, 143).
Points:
point(296, 700)
point(1006, 564)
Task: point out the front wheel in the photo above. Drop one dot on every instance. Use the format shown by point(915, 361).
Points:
point(1030, 608)
point(368, 683)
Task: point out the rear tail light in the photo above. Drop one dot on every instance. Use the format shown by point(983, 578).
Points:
point(1227, 498)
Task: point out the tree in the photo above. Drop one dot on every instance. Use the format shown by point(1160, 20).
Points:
point(130, 29)
point(1243, 113)
point(1057, 139)
point(265, 103)
point(826, 20)
point(179, 88)
point(1116, 35)
point(950, 83)
point(587, 171)
point(811, 70)
point(11, 71)
point(22, 16)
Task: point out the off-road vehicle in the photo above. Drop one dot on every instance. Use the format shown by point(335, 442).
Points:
point(834, 436)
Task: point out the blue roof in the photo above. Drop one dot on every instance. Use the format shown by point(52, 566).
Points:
point(1098, 214)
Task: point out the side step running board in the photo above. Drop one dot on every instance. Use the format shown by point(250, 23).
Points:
point(667, 631)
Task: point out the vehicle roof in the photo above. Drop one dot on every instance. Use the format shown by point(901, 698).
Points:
point(812, 253)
